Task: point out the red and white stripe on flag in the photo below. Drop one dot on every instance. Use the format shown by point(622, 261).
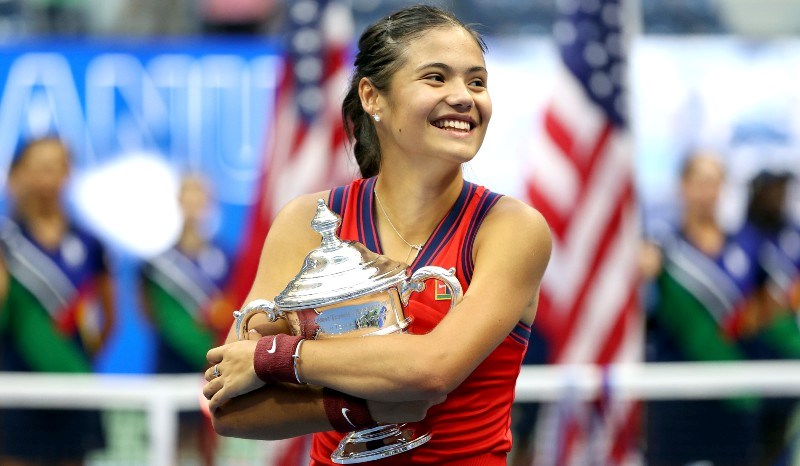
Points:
point(306, 148)
point(582, 182)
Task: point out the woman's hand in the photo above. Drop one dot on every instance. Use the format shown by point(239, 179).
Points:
point(236, 374)
point(398, 412)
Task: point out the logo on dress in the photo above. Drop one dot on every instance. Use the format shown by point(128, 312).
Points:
point(442, 292)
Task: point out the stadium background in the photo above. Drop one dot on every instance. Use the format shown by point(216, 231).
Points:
point(143, 96)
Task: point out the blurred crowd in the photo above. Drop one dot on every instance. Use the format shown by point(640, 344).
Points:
point(717, 295)
point(57, 304)
point(191, 17)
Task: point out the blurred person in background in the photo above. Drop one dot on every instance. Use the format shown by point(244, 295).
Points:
point(56, 309)
point(705, 283)
point(182, 295)
point(777, 239)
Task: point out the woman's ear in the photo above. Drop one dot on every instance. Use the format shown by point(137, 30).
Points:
point(369, 96)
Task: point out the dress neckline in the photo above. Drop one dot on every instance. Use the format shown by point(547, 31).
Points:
point(432, 244)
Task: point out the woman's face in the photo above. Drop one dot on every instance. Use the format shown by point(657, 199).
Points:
point(437, 104)
point(702, 185)
point(42, 173)
point(193, 199)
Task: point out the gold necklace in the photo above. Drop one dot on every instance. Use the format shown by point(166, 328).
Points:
point(414, 247)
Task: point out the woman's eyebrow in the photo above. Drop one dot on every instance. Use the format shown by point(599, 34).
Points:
point(449, 68)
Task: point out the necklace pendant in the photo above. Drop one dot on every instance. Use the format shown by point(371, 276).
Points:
point(418, 247)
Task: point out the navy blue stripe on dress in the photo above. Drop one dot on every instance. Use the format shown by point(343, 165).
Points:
point(367, 233)
point(336, 199)
point(446, 229)
point(521, 333)
point(488, 200)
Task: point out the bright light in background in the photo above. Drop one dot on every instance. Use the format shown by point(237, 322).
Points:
point(131, 202)
point(519, 89)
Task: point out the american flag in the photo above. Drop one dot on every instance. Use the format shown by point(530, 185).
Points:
point(306, 149)
point(582, 182)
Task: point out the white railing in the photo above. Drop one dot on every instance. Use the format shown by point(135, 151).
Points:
point(662, 381)
point(163, 397)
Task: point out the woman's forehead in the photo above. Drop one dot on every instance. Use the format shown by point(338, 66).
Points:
point(447, 45)
point(44, 152)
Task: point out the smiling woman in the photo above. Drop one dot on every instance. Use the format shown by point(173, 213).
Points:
point(417, 109)
point(442, 86)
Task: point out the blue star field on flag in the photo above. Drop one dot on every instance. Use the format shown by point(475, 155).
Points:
point(590, 42)
point(305, 50)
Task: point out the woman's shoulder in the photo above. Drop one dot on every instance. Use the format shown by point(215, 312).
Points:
point(510, 211)
point(512, 221)
point(293, 220)
point(304, 205)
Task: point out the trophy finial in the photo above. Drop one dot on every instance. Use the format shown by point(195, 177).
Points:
point(326, 223)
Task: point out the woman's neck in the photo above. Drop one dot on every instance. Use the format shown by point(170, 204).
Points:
point(46, 224)
point(705, 234)
point(409, 207)
point(191, 241)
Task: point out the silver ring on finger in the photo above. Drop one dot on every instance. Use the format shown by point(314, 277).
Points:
point(216, 371)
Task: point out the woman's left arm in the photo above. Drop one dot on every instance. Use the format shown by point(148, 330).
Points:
point(511, 252)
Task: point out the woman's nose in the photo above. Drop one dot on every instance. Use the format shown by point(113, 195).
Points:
point(460, 98)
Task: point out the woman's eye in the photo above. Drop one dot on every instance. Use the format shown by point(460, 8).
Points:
point(435, 77)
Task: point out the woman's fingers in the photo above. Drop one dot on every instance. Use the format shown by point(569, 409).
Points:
point(211, 388)
point(214, 355)
point(231, 373)
point(212, 372)
point(217, 399)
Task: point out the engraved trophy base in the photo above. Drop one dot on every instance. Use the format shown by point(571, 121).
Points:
point(377, 443)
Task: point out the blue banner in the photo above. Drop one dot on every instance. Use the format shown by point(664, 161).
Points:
point(181, 105)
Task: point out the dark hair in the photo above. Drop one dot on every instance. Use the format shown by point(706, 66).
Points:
point(766, 198)
point(380, 55)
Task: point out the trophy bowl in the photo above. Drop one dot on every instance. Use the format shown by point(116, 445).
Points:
point(344, 290)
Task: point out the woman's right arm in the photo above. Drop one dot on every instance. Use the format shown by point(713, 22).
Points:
point(263, 415)
point(282, 411)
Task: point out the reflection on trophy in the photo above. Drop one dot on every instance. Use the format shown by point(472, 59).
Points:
point(342, 291)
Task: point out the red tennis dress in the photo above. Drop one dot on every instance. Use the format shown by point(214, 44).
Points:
point(472, 427)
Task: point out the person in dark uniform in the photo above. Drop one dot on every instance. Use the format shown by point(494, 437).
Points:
point(704, 310)
point(777, 239)
point(56, 308)
point(182, 295)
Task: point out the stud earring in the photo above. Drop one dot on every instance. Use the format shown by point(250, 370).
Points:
point(376, 117)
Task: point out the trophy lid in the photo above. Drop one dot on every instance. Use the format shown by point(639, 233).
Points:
point(337, 270)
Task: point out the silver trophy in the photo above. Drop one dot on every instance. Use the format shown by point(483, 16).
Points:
point(345, 290)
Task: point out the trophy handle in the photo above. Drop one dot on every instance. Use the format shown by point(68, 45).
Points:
point(242, 317)
point(417, 283)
